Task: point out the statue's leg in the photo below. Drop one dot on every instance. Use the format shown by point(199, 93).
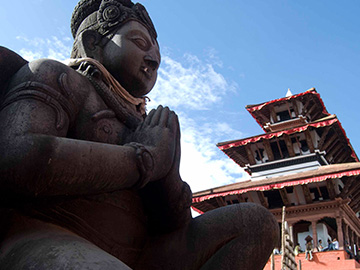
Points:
point(240, 236)
point(33, 244)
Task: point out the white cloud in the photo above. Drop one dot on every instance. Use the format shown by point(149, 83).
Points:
point(54, 48)
point(212, 55)
point(30, 55)
point(191, 84)
point(203, 165)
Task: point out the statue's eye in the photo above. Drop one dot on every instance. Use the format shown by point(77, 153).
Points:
point(140, 42)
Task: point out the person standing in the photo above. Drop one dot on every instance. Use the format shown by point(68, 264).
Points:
point(308, 250)
point(335, 244)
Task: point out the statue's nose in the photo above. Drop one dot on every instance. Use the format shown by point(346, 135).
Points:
point(151, 61)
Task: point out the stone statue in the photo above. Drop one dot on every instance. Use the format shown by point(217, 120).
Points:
point(88, 180)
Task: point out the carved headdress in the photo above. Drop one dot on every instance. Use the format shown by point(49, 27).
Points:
point(105, 15)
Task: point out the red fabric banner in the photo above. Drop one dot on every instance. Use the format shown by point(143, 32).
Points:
point(279, 185)
point(277, 134)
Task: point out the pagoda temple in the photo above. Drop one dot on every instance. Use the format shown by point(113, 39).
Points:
point(305, 162)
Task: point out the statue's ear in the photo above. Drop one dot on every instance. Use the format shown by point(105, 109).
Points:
point(90, 43)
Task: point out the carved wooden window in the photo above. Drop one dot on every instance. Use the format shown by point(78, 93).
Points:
point(274, 199)
point(283, 116)
point(279, 149)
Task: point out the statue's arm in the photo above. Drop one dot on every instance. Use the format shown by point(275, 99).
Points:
point(36, 157)
point(168, 200)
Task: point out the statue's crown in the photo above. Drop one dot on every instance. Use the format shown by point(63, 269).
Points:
point(109, 14)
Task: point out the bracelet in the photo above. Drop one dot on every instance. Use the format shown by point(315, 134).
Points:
point(144, 162)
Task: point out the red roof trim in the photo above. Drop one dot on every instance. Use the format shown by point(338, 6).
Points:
point(197, 210)
point(278, 185)
point(277, 134)
point(322, 104)
point(353, 154)
point(259, 107)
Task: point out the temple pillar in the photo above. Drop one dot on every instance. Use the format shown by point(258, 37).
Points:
point(314, 232)
point(346, 232)
point(340, 235)
point(291, 232)
point(352, 241)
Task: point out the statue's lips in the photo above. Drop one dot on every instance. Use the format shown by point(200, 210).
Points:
point(147, 72)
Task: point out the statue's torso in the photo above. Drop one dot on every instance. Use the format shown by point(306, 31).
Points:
point(114, 221)
point(117, 216)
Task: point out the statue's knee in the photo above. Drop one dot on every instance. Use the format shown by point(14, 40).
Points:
point(256, 220)
point(264, 222)
point(27, 253)
point(56, 252)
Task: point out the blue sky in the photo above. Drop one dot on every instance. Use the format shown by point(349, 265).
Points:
point(217, 57)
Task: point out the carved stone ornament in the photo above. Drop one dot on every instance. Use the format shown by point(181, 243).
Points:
point(111, 13)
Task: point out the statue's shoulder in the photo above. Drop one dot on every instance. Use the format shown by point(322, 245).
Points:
point(50, 72)
point(48, 69)
point(10, 63)
point(53, 78)
point(43, 80)
point(15, 70)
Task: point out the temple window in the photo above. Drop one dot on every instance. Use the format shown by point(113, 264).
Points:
point(279, 149)
point(283, 116)
point(259, 153)
point(320, 193)
point(274, 199)
point(304, 147)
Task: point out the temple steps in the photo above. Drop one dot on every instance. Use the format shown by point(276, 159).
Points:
point(329, 260)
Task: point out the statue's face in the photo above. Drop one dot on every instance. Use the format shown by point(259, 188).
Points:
point(133, 58)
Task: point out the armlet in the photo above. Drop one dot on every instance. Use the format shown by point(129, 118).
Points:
point(62, 102)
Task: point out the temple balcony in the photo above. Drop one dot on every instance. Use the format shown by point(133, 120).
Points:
point(292, 123)
point(285, 166)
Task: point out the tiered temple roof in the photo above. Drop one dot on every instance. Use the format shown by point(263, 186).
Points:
point(216, 197)
point(303, 161)
point(307, 105)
